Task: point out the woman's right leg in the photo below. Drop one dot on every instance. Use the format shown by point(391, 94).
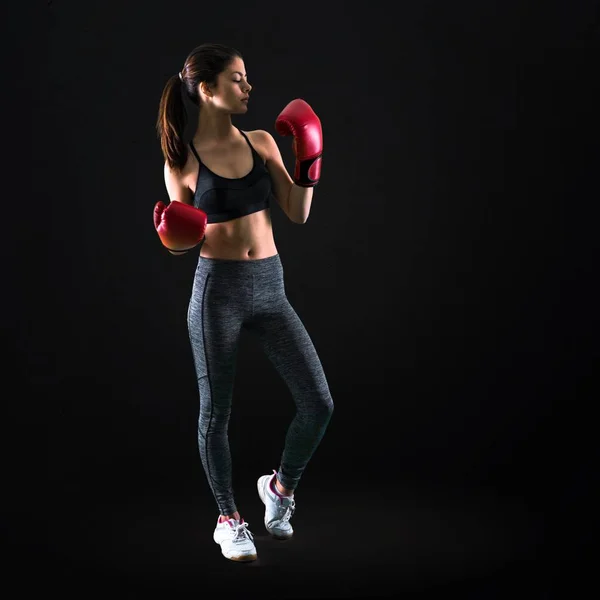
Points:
point(215, 315)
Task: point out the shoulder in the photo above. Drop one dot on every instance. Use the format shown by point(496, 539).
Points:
point(264, 143)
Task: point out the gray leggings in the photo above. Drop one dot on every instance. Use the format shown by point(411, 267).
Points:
point(228, 295)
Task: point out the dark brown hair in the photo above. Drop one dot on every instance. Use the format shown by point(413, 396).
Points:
point(204, 63)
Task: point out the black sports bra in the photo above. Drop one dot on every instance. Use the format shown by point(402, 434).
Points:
point(224, 199)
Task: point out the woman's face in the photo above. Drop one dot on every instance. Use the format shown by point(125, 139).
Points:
point(232, 89)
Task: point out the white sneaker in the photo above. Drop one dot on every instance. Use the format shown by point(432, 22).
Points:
point(237, 543)
point(278, 509)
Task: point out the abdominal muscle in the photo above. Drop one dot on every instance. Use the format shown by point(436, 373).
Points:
point(247, 238)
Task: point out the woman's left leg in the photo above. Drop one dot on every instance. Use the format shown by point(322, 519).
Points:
point(288, 346)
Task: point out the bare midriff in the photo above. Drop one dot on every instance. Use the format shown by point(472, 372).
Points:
point(246, 238)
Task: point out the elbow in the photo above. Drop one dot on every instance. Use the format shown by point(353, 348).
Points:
point(297, 217)
point(298, 220)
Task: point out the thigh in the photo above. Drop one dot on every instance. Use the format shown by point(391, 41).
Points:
point(214, 318)
point(290, 349)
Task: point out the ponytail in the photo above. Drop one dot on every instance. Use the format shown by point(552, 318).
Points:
point(171, 122)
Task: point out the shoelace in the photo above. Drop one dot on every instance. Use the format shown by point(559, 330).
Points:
point(289, 511)
point(242, 533)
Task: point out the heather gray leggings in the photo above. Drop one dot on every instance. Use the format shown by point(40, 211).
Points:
point(228, 295)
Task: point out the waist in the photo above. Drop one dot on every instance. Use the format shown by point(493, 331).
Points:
point(271, 265)
point(245, 238)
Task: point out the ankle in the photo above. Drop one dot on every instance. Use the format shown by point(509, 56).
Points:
point(283, 491)
point(235, 515)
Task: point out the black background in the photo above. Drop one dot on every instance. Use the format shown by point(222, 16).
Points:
point(445, 276)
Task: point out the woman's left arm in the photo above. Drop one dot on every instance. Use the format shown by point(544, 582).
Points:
point(295, 201)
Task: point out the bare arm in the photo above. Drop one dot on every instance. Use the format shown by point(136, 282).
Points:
point(295, 201)
point(177, 191)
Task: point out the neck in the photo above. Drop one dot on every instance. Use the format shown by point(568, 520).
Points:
point(214, 126)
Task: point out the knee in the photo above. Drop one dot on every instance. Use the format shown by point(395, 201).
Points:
point(215, 420)
point(330, 408)
point(317, 406)
point(325, 407)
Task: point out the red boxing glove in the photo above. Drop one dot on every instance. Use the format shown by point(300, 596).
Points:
point(180, 226)
point(298, 119)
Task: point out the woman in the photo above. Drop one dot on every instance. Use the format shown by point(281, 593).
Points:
point(220, 188)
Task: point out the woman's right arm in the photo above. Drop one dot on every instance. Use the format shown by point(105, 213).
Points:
point(179, 192)
point(176, 188)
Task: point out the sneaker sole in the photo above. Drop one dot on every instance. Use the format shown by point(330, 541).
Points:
point(239, 558)
point(245, 558)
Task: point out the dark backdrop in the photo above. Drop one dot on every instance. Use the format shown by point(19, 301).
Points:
point(444, 275)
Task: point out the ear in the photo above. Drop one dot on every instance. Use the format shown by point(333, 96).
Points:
point(205, 88)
